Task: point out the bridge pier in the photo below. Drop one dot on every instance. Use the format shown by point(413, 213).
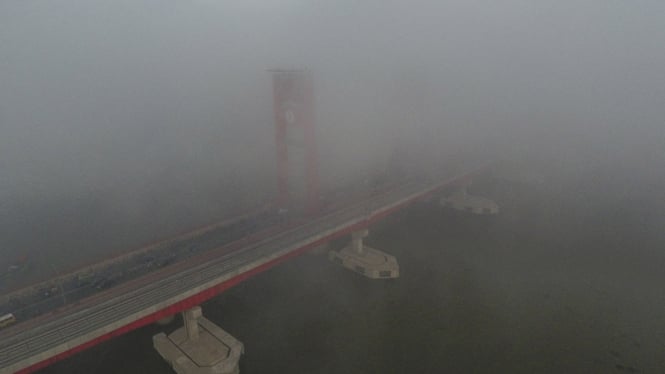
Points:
point(365, 260)
point(461, 200)
point(199, 347)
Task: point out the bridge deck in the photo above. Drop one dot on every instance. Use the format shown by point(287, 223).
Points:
point(38, 343)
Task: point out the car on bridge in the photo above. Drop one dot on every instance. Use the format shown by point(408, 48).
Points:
point(7, 320)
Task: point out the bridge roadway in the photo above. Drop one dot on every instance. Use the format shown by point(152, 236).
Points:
point(40, 342)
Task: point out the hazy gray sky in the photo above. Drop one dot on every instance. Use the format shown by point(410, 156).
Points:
point(126, 99)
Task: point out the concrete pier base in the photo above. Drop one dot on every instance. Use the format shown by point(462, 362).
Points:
point(364, 260)
point(199, 347)
point(462, 201)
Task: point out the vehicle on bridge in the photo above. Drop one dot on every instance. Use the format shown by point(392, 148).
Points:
point(6, 320)
point(85, 278)
point(107, 281)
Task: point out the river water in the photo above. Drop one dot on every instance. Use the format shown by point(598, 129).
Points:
point(565, 280)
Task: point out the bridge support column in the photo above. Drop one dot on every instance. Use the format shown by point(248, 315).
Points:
point(461, 200)
point(191, 320)
point(199, 347)
point(367, 261)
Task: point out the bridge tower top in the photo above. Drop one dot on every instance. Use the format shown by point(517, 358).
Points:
point(295, 139)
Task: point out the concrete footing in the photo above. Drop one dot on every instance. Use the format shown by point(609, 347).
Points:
point(367, 261)
point(462, 201)
point(199, 347)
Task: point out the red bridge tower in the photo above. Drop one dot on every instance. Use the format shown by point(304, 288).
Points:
point(295, 138)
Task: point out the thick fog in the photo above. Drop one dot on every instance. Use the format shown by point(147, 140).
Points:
point(125, 121)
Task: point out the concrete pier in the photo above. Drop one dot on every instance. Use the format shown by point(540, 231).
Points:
point(367, 261)
point(199, 347)
point(461, 200)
